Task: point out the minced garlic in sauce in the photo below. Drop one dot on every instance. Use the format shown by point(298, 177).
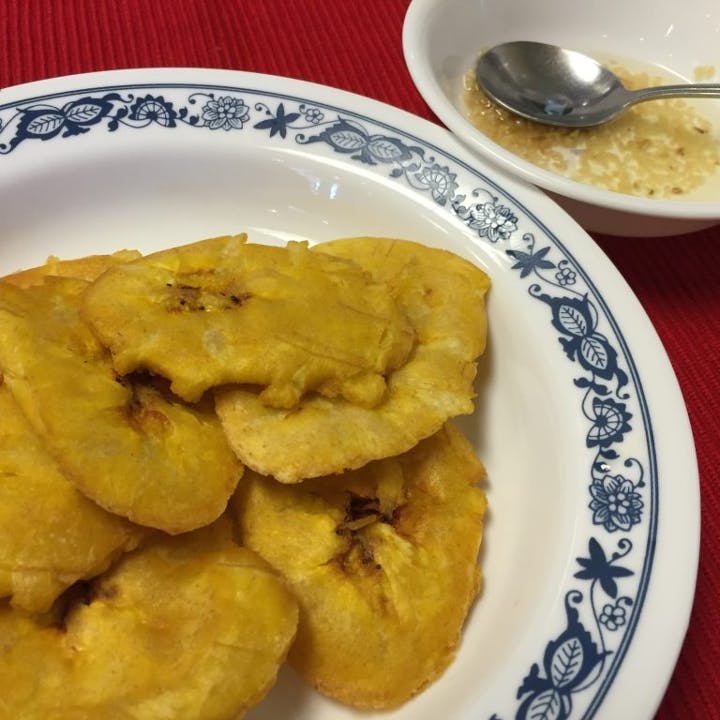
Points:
point(657, 149)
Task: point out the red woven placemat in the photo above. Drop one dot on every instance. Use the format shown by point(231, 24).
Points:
point(356, 46)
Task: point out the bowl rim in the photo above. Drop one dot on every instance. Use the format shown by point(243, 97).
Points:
point(415, 31)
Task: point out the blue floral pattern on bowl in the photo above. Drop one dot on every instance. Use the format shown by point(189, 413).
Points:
point(600, 610)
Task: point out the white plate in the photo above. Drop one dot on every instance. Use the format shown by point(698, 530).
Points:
point(577, 399)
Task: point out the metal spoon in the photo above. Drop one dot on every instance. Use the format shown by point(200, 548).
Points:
point(561, 87)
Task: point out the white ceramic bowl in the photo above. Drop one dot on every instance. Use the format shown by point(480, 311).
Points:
point(442, 39)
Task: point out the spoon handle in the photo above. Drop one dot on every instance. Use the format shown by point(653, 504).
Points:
point(674, 91)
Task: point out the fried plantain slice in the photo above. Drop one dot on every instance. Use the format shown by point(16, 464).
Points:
point(444, 297)
point(126, 444)
point(224, 311)
point(30, 663)
point(51, 535)
point(383, 561)
point(191, 627)
point(84, 268)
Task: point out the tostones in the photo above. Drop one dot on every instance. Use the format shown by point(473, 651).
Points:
point(443, 296)
point(190, 627)
point(383, 561)
point(126, 443)
point(221, 311)
point(50, 534)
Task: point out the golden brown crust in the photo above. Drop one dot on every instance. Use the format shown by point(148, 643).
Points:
point(192, 627)
point(226, 311)
point(444, 298)
point(383, 561)
point(85, 268)
point(124, 443)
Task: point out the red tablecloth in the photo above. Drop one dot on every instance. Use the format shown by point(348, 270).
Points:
point(356, 46)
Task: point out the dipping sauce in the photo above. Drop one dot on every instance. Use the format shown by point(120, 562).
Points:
point(658, 149)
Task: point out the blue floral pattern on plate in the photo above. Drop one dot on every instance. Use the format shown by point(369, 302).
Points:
point(598, 619)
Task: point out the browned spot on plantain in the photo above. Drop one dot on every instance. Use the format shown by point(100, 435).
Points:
point(139, 413)
point(187, 297)
point(358, 557)
point(104, 591)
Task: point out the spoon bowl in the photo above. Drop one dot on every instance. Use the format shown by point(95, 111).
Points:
point(555, 86)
